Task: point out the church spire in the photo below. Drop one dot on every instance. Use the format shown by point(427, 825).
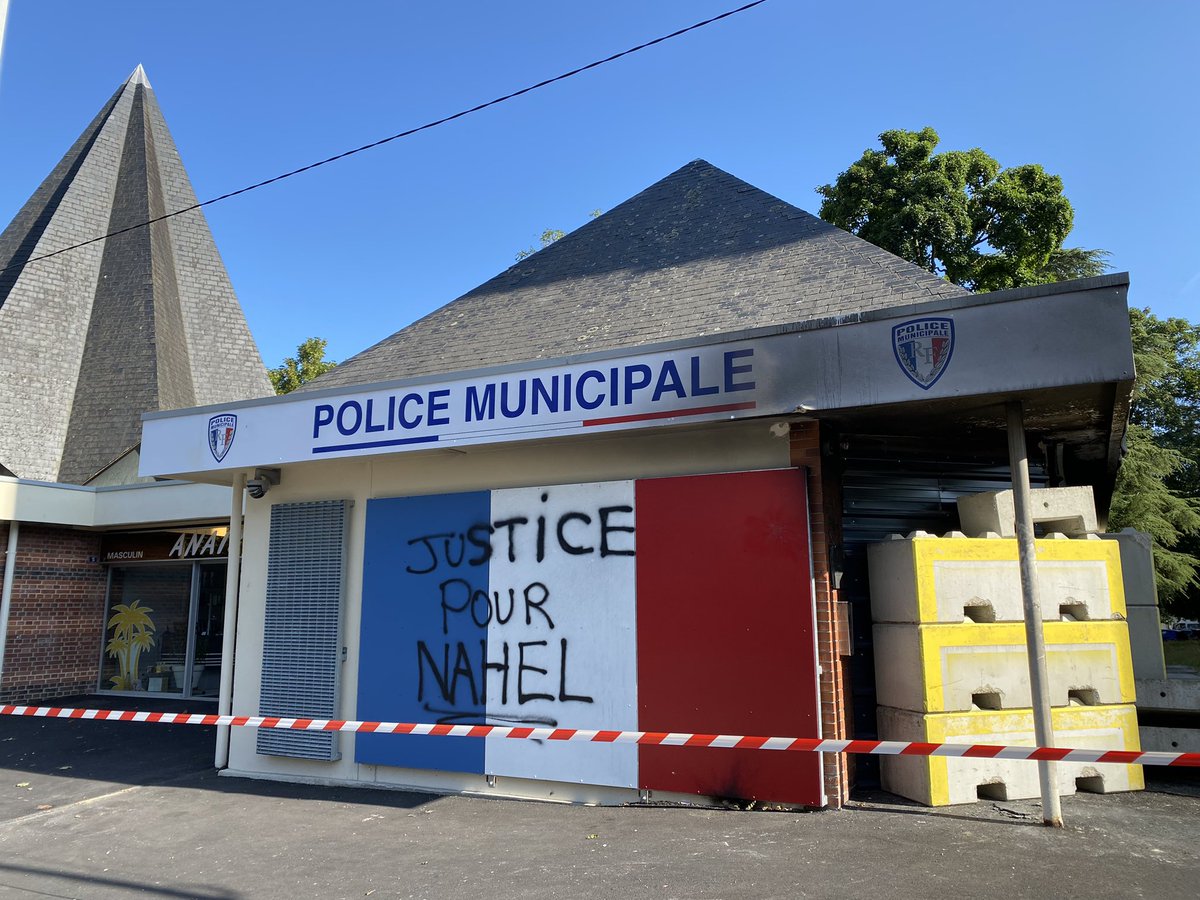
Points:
point(142, 321)
point(138, 77)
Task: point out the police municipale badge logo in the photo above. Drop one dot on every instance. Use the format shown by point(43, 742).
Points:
point(221, 430)
point(923, 348)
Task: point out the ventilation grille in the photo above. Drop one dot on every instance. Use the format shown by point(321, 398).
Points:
point(302, 638)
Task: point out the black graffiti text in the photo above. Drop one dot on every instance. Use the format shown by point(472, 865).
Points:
point(459, 596)
point(525, 670)
point(606, 531)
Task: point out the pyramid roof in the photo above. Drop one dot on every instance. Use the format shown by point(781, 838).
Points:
point(698, 253)
point(145, 320)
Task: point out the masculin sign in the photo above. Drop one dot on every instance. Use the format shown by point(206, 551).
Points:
point(164, 546)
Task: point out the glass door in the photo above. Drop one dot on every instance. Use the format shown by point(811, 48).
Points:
point(163, 629)
point(146, 629)
point(208, 630)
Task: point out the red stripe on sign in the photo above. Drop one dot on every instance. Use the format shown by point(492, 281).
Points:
point(917, 748)
point(1051, 754)
point(985, 751)
point(1120, 756)
point(671, 414)
point(520, 732)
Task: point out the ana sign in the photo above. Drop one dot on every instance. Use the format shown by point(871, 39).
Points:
point(163, 546)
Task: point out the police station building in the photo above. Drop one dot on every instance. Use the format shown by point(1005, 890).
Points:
point(628, 484)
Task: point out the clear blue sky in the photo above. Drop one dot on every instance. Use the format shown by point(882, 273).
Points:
point(784, 96)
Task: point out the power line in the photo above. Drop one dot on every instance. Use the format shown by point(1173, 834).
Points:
point(387, 140)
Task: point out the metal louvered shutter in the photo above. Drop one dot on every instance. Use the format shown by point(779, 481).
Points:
point(302, 633)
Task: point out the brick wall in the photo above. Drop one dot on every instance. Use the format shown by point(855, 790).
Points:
point(54, 625)
point(825, 515)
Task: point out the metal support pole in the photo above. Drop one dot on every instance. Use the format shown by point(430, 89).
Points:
point(1043, 727)
point(229, 637)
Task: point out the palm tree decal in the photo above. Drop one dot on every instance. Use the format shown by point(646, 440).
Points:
point(133, 632)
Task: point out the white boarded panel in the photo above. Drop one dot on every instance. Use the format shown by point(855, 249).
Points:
point(572, 576)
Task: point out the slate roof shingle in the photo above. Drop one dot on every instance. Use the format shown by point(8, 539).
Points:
point(699, 252)
point(146, 320)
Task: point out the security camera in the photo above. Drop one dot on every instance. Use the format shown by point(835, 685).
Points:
point(258, 486)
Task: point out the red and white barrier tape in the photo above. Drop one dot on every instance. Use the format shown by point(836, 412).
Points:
point(645, 738)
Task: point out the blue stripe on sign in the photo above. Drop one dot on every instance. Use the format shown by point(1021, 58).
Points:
point(421, 652)
point(364, 445)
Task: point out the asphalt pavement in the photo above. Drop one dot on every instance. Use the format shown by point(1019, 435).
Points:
point(113, 810)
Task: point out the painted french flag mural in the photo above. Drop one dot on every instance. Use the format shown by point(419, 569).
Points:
point(671, 604)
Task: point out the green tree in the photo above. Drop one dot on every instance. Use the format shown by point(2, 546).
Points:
point(307, 364)
point(961, 216)
point(958, 214)
point(550, 235)
point(1158, 487)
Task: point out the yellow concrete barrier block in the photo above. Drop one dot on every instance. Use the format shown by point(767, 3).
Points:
point(949, 668)
point(942, 781)
point(957, 579)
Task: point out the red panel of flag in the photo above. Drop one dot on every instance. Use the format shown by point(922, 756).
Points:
point(726, 632)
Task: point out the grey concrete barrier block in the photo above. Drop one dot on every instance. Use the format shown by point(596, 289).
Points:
point(1145, 642)
point(1137, 566)
point(1070, 510)
point(1177, 694)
